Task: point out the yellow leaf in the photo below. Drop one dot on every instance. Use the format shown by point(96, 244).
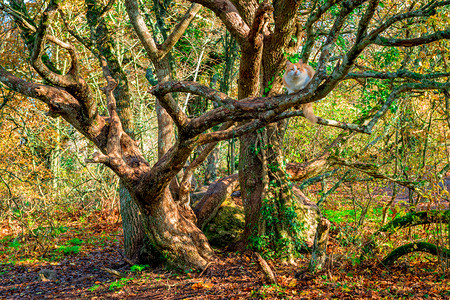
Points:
point(293, 283)
point(202, 285)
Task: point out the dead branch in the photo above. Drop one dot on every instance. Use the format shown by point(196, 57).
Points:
point(265, 268)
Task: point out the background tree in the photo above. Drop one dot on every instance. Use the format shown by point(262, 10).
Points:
point(169, 225)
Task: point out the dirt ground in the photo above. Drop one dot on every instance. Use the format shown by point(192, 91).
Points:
point(88, 275)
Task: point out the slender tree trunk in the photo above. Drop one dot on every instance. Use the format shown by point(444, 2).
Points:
point(319, 253)
point(133, 233)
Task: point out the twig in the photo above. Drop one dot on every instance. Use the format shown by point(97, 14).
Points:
point(207, 266)
point(126, 259)
point(113, 272)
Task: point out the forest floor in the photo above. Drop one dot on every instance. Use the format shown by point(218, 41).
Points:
point(84, 255)
point(78, 258)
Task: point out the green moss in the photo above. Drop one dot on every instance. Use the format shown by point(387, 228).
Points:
point(227, 225)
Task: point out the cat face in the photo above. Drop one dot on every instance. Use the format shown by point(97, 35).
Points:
point(295, 70)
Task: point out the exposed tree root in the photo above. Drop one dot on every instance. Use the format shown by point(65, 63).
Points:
point(414, 247)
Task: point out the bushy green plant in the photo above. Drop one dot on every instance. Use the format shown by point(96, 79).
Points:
point(118, 284)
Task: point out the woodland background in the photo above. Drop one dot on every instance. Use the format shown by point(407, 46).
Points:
point(60, 213)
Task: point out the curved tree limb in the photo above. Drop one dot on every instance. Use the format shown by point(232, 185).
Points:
point(414, 247)
point(40, 36)
point(179, 30)
point(415, 219)
point(409, 220)
point(38, 49)
point(413, 42)
point(230, 16)
point(63, 103)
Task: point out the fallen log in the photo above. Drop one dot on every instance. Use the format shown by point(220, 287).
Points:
point(216, 194)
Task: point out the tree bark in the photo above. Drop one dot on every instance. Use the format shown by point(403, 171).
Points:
point(133, 233)
point(178, 240)
point(217, 192)
point(319, 252)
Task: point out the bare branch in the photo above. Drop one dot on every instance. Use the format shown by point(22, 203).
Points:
point(350, 57)
point(115, 126)
point(424, 85)
point(179, 30)
point(347, 8)
point(403, 74)
point(141, 29)
point(106, 9)
point(312, 19)
point(365, 20)
point(439, 35)
point(373, 171)
point(84, 41)
point(427, 10)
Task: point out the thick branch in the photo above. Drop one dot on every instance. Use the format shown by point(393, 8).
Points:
point(141, 29)
point(255, 36)
point(62, 103)
point(265, 109)
point(115, 126)
point(365, 20)
point(230, 16)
